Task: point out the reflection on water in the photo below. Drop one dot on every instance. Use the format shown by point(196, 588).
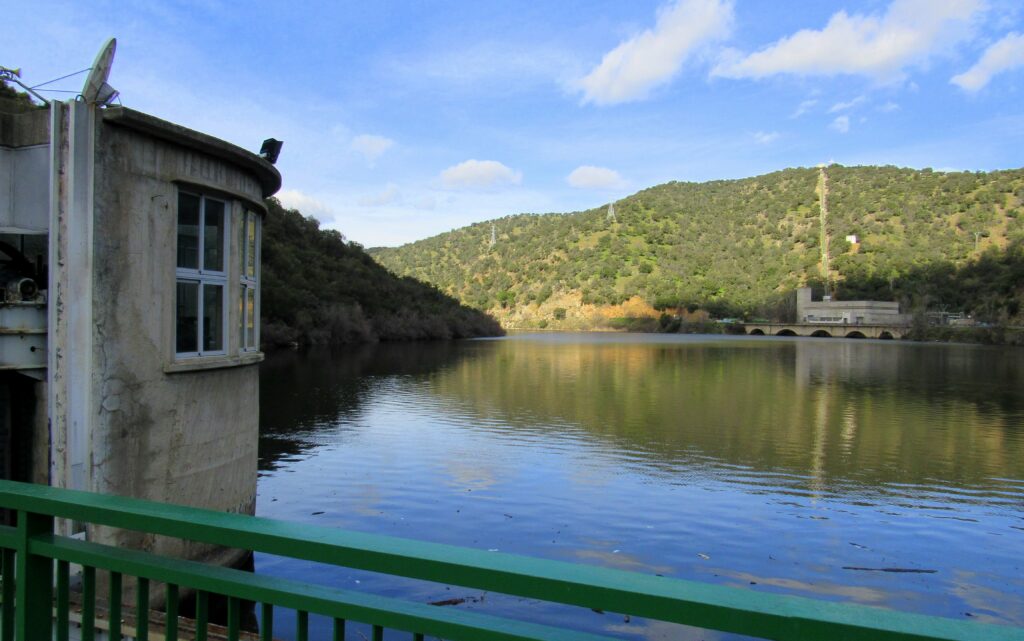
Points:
point(775, 464)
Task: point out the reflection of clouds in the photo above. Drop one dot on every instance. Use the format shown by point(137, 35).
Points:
point(856, 593)
point(592, 471)
point(620, 561)
point(662, 631)
point(988, 605)
point(366, 501)
point(470, 473)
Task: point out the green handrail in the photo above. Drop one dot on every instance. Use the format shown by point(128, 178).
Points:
point(715, 607)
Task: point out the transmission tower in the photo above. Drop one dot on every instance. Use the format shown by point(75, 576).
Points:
point(494, 237)
point(611, 214)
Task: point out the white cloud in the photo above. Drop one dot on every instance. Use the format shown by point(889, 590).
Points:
point(629, 71)
point(480, 173)
point(1004, 55)
point(878, 47)
point(371, 147)
point(844, 106)
point(804, 107)
point(764, 138)
point(389, 196)
point(308, 205)
point(590, 177)
point(841, 124)
point(889, 107)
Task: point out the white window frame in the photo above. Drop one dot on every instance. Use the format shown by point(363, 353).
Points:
point(250, 283)
point(204, 277)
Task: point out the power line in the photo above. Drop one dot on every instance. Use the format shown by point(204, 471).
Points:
point(50, 82)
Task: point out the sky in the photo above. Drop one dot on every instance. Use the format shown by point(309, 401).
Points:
point(403, 120)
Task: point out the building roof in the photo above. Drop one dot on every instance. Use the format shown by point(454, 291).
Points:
point(267, 175)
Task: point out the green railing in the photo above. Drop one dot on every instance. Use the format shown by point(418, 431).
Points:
point(31, 596)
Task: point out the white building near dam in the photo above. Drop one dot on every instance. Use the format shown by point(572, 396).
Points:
point(848, 312)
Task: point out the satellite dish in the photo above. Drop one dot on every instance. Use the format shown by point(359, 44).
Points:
point(96, 90)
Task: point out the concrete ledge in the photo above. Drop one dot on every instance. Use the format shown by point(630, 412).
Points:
point(268, 175)
point(213, 362)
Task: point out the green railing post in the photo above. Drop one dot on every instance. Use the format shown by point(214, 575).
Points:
point(202, 613)
point(114, 606)
point(63, 600)
point(7, 624)
point(142, 610)
point(33, 617)
point(267, 624)
point(88, 603)
point(171, 621)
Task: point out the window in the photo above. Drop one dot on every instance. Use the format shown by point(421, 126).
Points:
point(249, 309)
point(200, 320)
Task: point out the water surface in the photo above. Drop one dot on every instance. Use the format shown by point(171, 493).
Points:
point(767, 463)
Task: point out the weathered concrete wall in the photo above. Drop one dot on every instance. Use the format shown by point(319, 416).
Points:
point(164, 430)
point(25, 128)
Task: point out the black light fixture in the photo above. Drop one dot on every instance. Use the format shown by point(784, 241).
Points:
point(271, 149)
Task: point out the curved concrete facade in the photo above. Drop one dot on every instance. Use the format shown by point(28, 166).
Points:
point(126, 411)
point(167, 429)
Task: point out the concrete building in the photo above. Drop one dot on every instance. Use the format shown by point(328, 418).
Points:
point(849, 312)
point(129, 337)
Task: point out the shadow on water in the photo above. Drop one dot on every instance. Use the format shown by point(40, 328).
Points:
point(302, 392)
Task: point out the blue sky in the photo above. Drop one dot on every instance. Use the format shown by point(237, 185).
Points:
point(402, 120)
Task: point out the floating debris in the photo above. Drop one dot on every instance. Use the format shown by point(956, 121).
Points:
point(903, 570)
point(459, 600)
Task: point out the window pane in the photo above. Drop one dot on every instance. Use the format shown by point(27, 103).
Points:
point(242, 243)
point(250, 252)
point(188, 231)
point(241, 316)
point(250, 317)
point(187, 317)
point(213, 236)
point(213, 318)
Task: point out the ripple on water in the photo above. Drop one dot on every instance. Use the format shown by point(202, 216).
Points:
point(770, 466)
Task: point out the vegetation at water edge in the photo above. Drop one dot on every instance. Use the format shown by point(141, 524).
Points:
point(318, 288)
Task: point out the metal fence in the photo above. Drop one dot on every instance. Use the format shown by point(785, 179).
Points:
point(36, 607)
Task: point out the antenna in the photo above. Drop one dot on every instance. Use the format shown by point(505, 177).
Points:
point(14, 75)
point(96, 90)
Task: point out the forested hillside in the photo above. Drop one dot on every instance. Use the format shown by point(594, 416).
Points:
point(317, 288)
point(930, 239)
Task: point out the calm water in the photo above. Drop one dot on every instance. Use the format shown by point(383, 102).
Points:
point(771, 464)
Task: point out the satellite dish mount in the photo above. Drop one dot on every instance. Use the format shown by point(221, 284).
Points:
point(96, 90)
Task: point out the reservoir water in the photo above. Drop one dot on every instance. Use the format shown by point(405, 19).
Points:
point(798, 466)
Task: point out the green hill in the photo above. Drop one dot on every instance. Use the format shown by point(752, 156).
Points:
point(930, 239)
point(318, 289)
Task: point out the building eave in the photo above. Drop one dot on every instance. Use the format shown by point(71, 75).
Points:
point(267, 175)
